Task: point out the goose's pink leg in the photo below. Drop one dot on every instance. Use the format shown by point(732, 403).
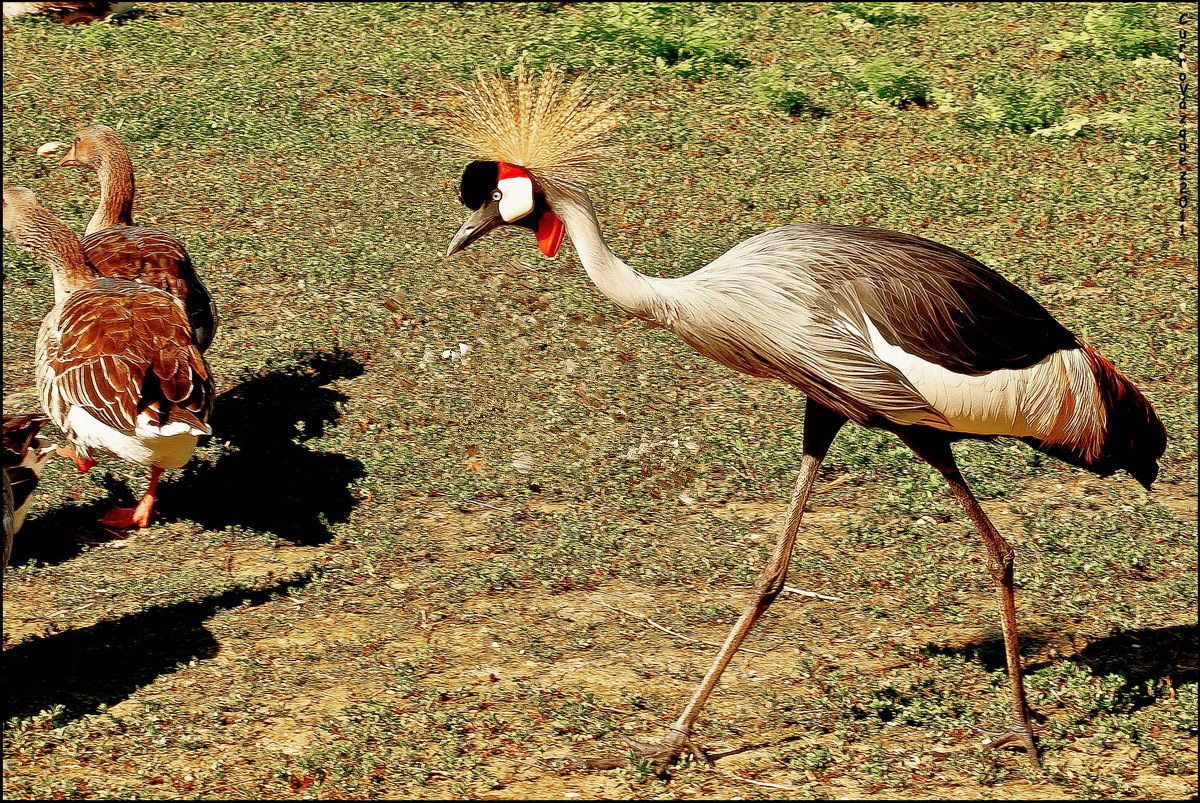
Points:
point(123, 518)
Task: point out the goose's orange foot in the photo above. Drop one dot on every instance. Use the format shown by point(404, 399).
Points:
point(125, 518)
point(84, 464)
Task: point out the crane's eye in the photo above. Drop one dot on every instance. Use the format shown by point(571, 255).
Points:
point(497, 195)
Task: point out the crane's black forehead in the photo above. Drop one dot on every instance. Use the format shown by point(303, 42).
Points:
point(478, 181)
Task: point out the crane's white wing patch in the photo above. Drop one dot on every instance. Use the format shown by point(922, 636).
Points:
point(1057, 399)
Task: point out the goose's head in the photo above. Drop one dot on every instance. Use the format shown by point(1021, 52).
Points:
point(91, 147)
point(501, 194)
point(19, 204)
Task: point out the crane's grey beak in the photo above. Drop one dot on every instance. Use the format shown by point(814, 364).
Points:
point(481, 221)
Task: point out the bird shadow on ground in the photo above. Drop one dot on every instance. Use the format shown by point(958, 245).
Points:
point(60, 534)
point(265, 477)
point(1138, 656)
point(79, 671)
point(989, 650)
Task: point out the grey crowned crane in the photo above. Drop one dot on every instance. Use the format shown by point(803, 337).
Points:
point(880, 328)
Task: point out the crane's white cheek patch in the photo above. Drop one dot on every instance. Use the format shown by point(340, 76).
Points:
point(516, 199)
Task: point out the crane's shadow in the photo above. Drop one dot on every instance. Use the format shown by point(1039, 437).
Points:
point(264, 478)
point(1139, 657)
point(101, 665)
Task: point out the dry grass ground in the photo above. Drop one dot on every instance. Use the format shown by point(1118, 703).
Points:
point(397, 574)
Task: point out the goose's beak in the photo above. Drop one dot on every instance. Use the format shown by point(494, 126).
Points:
point(481, 221)
point(69, 160)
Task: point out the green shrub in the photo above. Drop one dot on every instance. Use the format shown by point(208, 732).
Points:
point(1146, 123)
point(776, 91)
point(896, 83)
point(880, 14)
point(667, 34)
point(1124, 31)
point(1183, 710)
point(1001, 105)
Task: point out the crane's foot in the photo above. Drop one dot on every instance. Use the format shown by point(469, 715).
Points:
point(125, 518)
point(662, 756)
point(1018, 737)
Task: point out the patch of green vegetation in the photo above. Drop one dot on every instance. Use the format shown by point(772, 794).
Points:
point(1144, 124)
point(895, 82)
point(780, 93)
point(669, 35)
point(1118, 30)
point(1098, 539)
point(880, 15)
point(1007, 104)
point(1183, 715)
point(381, 746)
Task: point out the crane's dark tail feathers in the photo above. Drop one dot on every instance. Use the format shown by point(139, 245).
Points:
point(1134, 437)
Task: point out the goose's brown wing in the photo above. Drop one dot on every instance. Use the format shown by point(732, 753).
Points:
point(153, 257)
point(124, 348)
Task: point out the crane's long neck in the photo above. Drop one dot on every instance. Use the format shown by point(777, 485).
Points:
point(116, 192)
point(634, 292)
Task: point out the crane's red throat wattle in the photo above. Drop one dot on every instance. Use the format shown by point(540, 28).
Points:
point(550, 233)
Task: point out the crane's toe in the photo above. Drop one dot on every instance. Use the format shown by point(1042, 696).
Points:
point(1020, 738)
point(660, 757)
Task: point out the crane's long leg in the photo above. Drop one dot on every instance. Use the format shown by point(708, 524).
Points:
point(820, 427)
point(935, 449)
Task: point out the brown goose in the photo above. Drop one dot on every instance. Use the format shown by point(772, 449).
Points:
point(117, 369)
point(120, 249)
point(24, 454)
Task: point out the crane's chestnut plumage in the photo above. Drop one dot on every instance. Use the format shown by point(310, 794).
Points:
point(880, 328)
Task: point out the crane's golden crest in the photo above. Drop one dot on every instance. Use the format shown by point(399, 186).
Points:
point(553, 126)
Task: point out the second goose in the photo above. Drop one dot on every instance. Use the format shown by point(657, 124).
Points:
point(122, 250)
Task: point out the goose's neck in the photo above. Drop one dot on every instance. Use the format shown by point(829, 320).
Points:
point(55, 244)
point(632, 291)
point(116, 193)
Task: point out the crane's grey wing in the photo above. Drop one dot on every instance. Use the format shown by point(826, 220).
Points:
point(888, 318)
point(767, 320)
point(930, 300)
